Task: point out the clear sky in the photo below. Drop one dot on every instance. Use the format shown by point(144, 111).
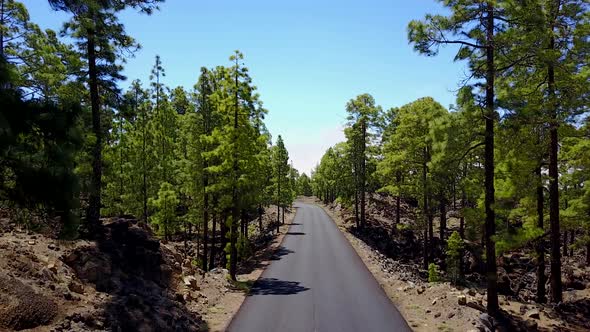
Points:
point(307, 57)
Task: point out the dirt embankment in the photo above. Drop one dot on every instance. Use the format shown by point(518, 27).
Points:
point(394, 258)
point(128, 281)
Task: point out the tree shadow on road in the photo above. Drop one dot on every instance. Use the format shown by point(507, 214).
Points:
point(280, 253)
point(273, 286)
point(295, 233)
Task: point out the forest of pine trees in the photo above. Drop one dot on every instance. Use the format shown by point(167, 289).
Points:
point(192, 162)
point(512, 156)
point(80, 144)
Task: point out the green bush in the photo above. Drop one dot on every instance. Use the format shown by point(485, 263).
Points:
point(433, 273)
point(244, 248)
point(165, 205)
point(454, 252)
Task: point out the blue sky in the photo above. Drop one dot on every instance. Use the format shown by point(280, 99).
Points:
point(307, 57)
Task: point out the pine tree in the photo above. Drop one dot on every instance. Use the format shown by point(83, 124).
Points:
point(164, 218)
point(38, 142)
point(474, 26)
point(100, 35)
point(408, 152)
point(281, 159)
point(304, 185)
point(362, 117)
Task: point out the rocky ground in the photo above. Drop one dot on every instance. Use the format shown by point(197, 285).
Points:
point(441, 306)
point(129, 281)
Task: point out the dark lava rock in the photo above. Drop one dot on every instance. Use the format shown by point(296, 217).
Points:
point(21, 307)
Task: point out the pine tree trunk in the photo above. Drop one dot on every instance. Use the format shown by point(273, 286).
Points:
point(490, 220)
point(213, 237)
point(279, 199)
point(443, 219)
point(260, 219)
point(121, 192)
point(2, 4)
point(427, 219)
point(588, 253)
point(233, 249)
point(556, 287)
point(242, 225)
point(540, 248)
point(462, 235)
point(454, 195)
point(356, 208)
point(94, 204)
point(425, 249)
point(198, 241)
point(233, 256)
point(185, 238)
point(430, 220)
point(283, 219)
point(462, 228)
point(205, 217)
point(442, 232)
point(144, 169)
point(246, 223)
point(224, 231)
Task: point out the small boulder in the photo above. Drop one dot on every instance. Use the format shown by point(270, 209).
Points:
point(52, 267)
point(187, 297)
point(76, 287)
point(68, 296)
point(191, 282)
point(31, 242)
point(534, 313)
point(462, 300)
point(179, 298)
point(219, 270)
point(476, 306)
point(450, 315)
point(70, 257)
point(48, 275)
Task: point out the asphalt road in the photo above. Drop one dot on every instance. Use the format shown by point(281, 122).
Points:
point(316, 282)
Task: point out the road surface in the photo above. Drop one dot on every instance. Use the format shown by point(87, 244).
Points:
point(316, 282)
